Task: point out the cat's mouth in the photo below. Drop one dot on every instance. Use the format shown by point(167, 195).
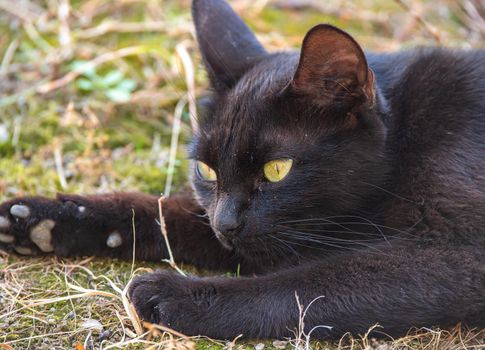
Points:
point(235, 243)
point(247, 247)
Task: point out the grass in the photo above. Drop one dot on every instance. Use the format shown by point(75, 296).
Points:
point(88, 95)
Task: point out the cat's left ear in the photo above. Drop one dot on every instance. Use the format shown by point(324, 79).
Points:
point(227, 45)
point(333, 66)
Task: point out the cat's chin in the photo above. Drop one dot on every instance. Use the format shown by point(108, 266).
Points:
point(224, 241)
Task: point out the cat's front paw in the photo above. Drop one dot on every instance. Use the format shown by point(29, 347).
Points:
point(26, 225)
point(166, 298)
point(40, 225)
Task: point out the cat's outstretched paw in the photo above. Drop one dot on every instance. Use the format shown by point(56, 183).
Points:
point(26, 225)
point(75, 225)
point(166, 298)
point(33, 225)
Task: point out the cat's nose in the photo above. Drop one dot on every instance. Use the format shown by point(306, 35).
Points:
point(228, 225)
point(227, 218)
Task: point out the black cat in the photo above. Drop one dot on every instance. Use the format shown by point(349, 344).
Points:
point(357, 178)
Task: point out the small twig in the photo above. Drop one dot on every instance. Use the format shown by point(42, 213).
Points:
point(163, 229)
point(123, 295)
point(419, 18)
point(123, 27)
point(131, 312)
point(18, 97)
point(177, 121)
point(188, 65)
point(60, 167)
point(107, 57)
point(85, 345)
point(474, 18)
point(34, 35)
point(134, 242)
point(232, 344)
point(94, 277)
point(56, 334)
point(302, 341)
point(24, 13)
point(301, 326)
point(65, 40)
point(85, 294)
point(7, 58)
point(335, 10)
point(151, 326)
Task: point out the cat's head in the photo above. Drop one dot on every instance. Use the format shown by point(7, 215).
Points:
point(284, 136)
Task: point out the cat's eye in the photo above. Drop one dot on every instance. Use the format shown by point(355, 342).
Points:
point(277, 169)
point(205, 171)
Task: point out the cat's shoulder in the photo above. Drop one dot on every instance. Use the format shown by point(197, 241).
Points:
point(429, 67)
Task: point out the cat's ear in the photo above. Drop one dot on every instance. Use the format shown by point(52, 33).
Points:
point(227, 45)
point(332, 66)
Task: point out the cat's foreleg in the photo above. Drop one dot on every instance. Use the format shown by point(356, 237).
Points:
point(397, 289)
point(106, 225)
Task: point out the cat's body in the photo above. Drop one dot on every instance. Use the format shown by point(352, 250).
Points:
point(380, 215)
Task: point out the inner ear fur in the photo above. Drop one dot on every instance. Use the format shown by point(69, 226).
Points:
point(333, 66)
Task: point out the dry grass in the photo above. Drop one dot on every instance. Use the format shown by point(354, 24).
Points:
point(65, 129)
point(83, 305)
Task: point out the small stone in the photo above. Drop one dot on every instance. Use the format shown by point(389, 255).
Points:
point(41, 235)
point(4, 222)
point(104, 335)
point(259, 346)
point(280, 344)
point(92, 324)
point(6, 238)
point(383, 347)
point(23, 250)
point(114, 240)
point(70, 316)
point(20, 211)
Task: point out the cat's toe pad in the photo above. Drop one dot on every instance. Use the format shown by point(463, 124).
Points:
point(23, 250)
point(4, 238)
point(20, 211)
point(23, 229)
point(114, 240)
point(4, 225)
point(41, 235)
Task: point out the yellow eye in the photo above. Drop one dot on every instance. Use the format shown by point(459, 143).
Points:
point(276, 170)
point(206, 172)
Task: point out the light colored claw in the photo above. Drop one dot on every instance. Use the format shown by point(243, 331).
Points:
point(20, 211)
point(23, 250)
point(114, 240)
point(41, 235)
point(4, 223)
point(6, 238)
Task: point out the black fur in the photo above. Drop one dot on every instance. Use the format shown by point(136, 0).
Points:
point(382, 214)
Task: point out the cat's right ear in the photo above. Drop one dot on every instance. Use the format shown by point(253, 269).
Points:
point(333, 68)
point(227, 45)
